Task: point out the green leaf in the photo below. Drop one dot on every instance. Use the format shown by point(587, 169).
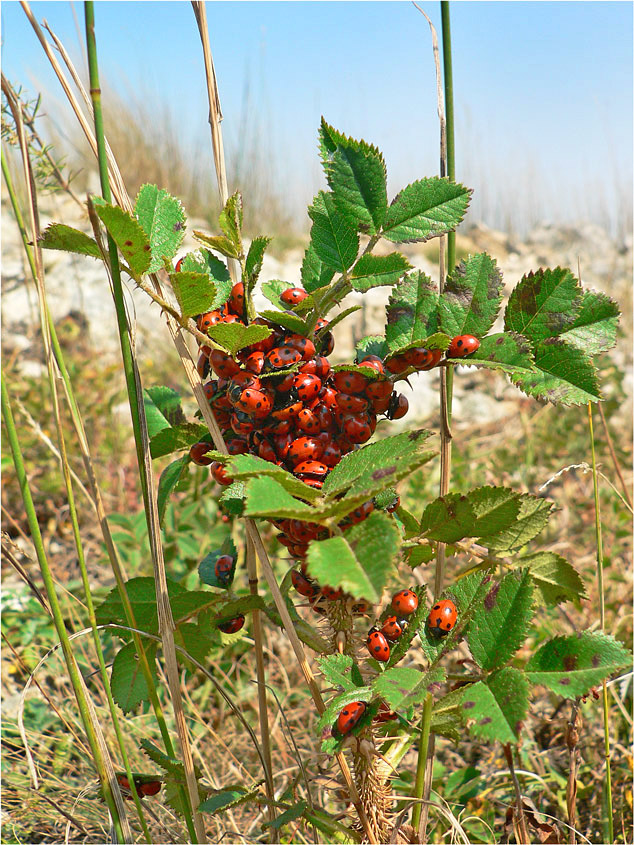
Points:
point(58, 236)
point(372, 271)
point(219, 244)
point(195, 642)
point(595, 326)
point(356, 174)
point(202, 261)
point(272, 290)
point(426, 209)
point(155, 419)
point(227, 798)
point(472, 296)
point(230, 220)
point(294, 812)
point(532, 517)
point(334, 239)
point(448, 519)
point(254, 260)
point(128, 684)
point(505, 351)
point(235, 336)
point(375, 542)
point(168, 482)
point(315, 273)
point(250, 466)
point(162, 218)
point(371, 345)
point(543, 304)
point(128, 235)
point(554, 578)
point(195, 292)
point(336, 669)
point(232, 498)
point(447, 716)
point(289, 321)
point(167, 402)
point(412, 312)
point(499, 626)
point(333, 562)
point(267, 497)
point(499, 705)
point(380, 457)
point(182, 436)
point(167, 763)
point(142, 595)
point(571, 666)
point(495, 508)
point(564, 375)
point(403, 687)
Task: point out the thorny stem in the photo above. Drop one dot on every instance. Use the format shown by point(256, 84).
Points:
point(600, 586)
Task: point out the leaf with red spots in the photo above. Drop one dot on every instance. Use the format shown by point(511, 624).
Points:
point(426, 209)
point(497, 707)
point(448, 519)
point(595, 326)
point(571, 666)
point(563, 374)
point(555, 580)
point(412, 312)
point(59, 236)
point(402, 686)
point(471, 297)
point(162, 218)
point(128, 234)
point(544, 304)
point(194, 291)
point(501, 621)
point(507, 351)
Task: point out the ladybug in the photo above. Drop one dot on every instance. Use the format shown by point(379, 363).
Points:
point(435, 356)
point(350, 716)
point(379, 389)
point(351, 404)
point(462, 345)
point(404, 602)
point(283, 383)
point(360, 513)
point(302, 344)
point(357, 429)
point(381, 406)
point(330, 594)
point(293, 296)
point(350, 382)
point(150, 787)
point(122, 780)
point(384, 714)
point(223, 569)
point(202, 365)
point(267, 452)
point(238, 383)
point(232, 625)
point(237, 446)
point(206, 321)
point(282, 442)
point(219, 473)
point(398, 406)
point(393, 628)
point(294, 409)
point(324, 417)
point(255, 403)
point(378, 645)
point(302, 531)
point(442, 618)
point(374, 363)
point(236, 300)
point(317, 483)
point(222, 364)
point(359, 608)
point(396, 364)
point(298, 550)
point(303, 584)
point(241, 423)
point(232, 318)
point(198, 454)
point(307, 386)
point(281, 358)
point(179, 264)
point(317, 366)
point(255, 363)
point(394, 506)
point(304, 449)
point(308, 421)
point(312, 469)
point(331, 455)
point(418, 357)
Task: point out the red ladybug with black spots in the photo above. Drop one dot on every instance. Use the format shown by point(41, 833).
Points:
point(378, 645)
point(231, 626)
point(224, 569)
point(404, 603)
point(350, 717)
point(442, 618)
point(463, 345)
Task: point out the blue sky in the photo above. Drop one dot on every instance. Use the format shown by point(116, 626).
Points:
point(543, 91)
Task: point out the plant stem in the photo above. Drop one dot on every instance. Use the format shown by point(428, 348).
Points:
point(521, 818)
point(423, 747)
point(606, 716)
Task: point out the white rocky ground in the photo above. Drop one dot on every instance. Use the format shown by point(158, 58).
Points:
point(78, 284)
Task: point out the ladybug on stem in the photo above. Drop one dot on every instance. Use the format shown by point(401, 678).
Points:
point(350, 716)
point(378, 645)
point(442, 618)
point(404, 603)
point(393, 628)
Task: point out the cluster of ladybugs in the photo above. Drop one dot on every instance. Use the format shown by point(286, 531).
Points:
point(441, 619)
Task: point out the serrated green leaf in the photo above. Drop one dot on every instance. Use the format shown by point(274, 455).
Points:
point(182, 436)
point(294, 812)
point(226, 799)
point(288, 321)
point(334, 240)
point(357, 177)
point(375, 480)
point(403, 687)
point(195, 642)
point(499, 705)
point(155, 419)
point(202, 261)
point(195, 292)
point(230, 220)
point(571, 666)
point(267, 497)
point(375, 542)
point(412, 312)
point(543, 304)
point(371, 345)
point(162, 218)
point(532, 517)
point(235, 336)
point(218, 243)
point(426, 209)
point(494, 508)
point(373, 271)
point(128, 235)
point(250, 466)
point(254, 260)
point(141, 592)
point(506, 351)
point(564, 375)
point(336, 669)
point(168, 481)
point(448, 518)
point(167, 763)
point(595, 326)
point(447, 716)
point(272, 290)
point(375, 457)
point(471, 297)
point(168, 403)
point(333, 562)
point(554, 578)
point(232, 498)
point(501, 623)
point(315, 273)
point(127, 681)
point(59, 236)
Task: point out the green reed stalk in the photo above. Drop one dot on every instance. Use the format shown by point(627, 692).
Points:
point(73, 512)
point(606, 716)
point(131, 375)
point(58, 619)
